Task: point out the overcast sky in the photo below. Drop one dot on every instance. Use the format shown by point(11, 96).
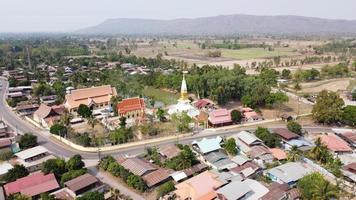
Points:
point(69, 15)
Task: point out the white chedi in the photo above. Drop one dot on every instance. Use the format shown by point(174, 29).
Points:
point(183, 104)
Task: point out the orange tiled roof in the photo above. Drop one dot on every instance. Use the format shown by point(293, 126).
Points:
point(131, 104)
point(101, 94)
point(334, 143)
point(279, 154)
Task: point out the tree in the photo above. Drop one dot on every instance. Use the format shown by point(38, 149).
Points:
point(271, 140)
point(19, 197)
point(121, 135)
point(320, 151)
point(286, 74)
point(160, 114)
point(28, 141)
point(182, 121)
point(236, 116)
point(349, 116)
point(230, 146)
point(56, 166)
point(328, 108)
point(92, 196)
point(83, 140)
point(165, 189)
point(314, 186)
point(75, 163)
point(136, 182)
point(17, 172)
point(84, 111)
point(58, 129)
point(47, 196)
point(184, 160)
point(294, 154)
point(295, 127)
point(71, 175)
point(92, 121)
point(122, 122)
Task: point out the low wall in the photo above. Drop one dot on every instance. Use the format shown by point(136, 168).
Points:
point(119, 146)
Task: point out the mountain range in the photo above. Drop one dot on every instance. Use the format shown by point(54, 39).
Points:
point(224, 25)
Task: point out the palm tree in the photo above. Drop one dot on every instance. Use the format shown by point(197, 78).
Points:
point(294, 154)
point(92, 121)
point(324, 191)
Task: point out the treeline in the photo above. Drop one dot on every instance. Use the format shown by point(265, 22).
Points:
point(226, 44)
point(346, 47)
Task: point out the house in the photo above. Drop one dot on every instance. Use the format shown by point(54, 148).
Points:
point(132, 108)
point(289, 173)
point(300, 143)
point(349, 172)
point(218, 160)
point(4, 168)
point(348, 135)
point(245, 140)
point(247, 170)
point(204, 104)
point(252, 117)
point(33, 158)
point(260, 154)
point(205, 145)
point(240, 159)
point(199, 187)
point(48, 100)
point(82, 183)
point(335, 144)
point(278, 153)
point(247, 189)
point(169, 151)
point(156, 177)
point(220, 117)
point(285, 134)
point(94, 97)
point(46, 116)
point(5, 145)
point(137, 166)
point(26, 109)
point(178, 176)
point(64, 194)
point(32, 185)
point(277, 192)
point(285, 117)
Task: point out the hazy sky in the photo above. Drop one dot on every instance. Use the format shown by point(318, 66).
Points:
point(69, 15)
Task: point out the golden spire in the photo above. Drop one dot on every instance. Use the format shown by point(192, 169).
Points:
point(183, 89)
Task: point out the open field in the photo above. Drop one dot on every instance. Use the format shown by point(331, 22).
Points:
point(166, 97)
point(291, 108)
point(331, 85)
point(256, 53)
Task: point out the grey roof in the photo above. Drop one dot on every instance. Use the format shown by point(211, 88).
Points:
point(240, 159)
point(215, 156)
point(224, 164)
point(248, 189)
point(291, 171)
point(234, 190)
point(2, 196)
point(248, 138)
point(137, 166)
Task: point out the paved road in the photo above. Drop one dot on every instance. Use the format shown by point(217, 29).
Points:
point(62, 150)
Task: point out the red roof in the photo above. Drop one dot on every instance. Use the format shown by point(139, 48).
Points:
point(220, 116)
point(32, 185)
point(131, 104)
point(5, 143)
point(201, 103)
point(285, 133)
point(335, 144)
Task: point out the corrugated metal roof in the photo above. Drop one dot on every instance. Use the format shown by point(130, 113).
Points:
point(137, 166)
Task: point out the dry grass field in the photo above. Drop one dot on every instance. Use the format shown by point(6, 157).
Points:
point(331, 85)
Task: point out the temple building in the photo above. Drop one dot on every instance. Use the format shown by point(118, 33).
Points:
point(184, 104)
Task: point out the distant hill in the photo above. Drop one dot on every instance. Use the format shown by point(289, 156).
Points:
point(224, 25)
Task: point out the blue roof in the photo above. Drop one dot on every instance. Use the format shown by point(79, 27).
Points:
point(208, 145)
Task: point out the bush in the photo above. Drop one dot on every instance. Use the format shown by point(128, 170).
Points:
point(271, 140)
point(28, 141)
point(56, 166)
point(5, 155)
point(236, 116)
point(230, 146)
point(83, 140)
point(295, 127)
point(75, 163)
point(165, 189)
point(136, 182)
point(104, 162)
point(58, 129)
point(92, 196)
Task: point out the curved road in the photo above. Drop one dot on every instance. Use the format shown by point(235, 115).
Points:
point(59, 149)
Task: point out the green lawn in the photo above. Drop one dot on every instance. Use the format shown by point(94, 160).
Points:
point(251, 53)
point(160, 95)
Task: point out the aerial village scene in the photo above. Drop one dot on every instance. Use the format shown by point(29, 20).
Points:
point(229, 107)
